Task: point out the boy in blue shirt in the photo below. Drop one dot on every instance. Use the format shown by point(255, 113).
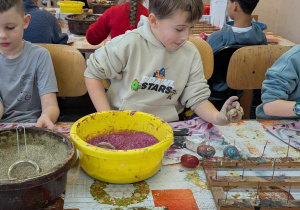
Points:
point(281, 90)
point(243, 32)
point(28, 85)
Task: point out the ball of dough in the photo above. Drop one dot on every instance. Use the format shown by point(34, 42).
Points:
point(234, 115)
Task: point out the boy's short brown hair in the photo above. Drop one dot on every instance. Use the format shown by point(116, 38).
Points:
point(163, 9)
point(5, 5)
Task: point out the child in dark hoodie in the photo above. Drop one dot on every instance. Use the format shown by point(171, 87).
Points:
point(43, 27)
point(243, 32)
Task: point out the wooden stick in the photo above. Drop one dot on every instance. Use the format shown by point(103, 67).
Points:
point(248, 180)
point(227, 191)
point(273, 165)
point(257, 191)
point(244, 203)
point(253, 161)
point(216, 169)
point(243, 171)
point(287, 154)
point(252, 181)
point(264, 149)
point(289, 193)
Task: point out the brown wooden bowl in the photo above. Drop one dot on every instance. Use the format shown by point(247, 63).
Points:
point(38, 191)
point(79, 23)
point(100, 8)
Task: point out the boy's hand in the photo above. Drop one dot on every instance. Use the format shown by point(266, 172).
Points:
point(231, 103)
point(45, 122)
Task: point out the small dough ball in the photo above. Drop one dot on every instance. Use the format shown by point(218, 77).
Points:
point(234, 115)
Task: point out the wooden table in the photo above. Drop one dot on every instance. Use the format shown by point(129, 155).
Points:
point(276, 39)
point(175, 186)
point(83, 46)
point(80, 42)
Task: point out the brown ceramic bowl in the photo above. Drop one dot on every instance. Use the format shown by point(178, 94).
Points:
point(101, 7)
point(41, 190)
point(79, 23)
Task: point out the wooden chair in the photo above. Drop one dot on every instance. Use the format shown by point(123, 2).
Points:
point(247, 69)
point(206, 55)
point(69, 66)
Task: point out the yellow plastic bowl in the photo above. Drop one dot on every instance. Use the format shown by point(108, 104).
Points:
point(74, 7)
point(120, 166)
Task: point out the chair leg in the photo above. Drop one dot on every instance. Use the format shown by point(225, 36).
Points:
point(255, 101)
point(245, 103)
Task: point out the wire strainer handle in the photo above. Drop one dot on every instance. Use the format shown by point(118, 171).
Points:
point(36, 166)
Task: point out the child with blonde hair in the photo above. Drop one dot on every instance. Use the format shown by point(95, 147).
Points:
point(116, 21)
point(153, 69)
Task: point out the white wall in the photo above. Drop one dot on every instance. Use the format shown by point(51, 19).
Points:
point(281, 16)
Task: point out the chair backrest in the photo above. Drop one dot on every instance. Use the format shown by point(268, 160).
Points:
point(221, 60)
point(217, 83)
point(247, 69)
point(248, 65)
point(69, 66)
point(206, 55)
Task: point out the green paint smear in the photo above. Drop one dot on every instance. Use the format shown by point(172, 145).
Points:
point(99, 194)
point(196, 180)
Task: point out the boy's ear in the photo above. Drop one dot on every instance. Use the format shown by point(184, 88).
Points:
point(235, 6)
point(26, 20)
point(152, 20)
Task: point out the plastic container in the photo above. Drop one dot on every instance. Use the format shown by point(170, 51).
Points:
point(119, 166)
point(206, 9)
point(74, 7)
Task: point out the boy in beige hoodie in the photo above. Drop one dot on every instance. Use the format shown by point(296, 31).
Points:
point(153, 69)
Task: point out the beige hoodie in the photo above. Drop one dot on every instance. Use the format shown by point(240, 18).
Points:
point(147, 77)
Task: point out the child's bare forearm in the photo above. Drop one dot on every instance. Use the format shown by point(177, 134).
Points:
point(97, 93)
point(280, 108)
point(207, 112)
point(52, 112)
point(50, 107)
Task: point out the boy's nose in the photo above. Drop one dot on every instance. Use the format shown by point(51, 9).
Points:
point(2, 34)
point(185, 36)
